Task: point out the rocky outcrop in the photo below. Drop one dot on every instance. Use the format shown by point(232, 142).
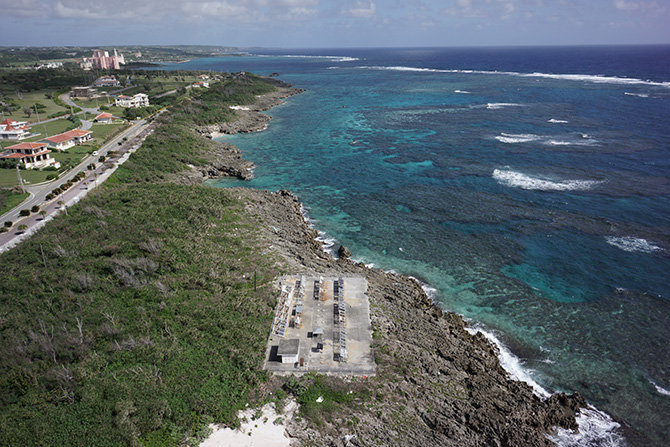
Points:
point(437, 384)
point(248, 118)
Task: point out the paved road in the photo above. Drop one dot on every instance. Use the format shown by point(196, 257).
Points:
point(38, 192)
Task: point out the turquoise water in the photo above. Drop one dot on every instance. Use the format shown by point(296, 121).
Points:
point(535, 205)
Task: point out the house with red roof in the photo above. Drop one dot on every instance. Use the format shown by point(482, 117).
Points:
point(14, 130)
point(66, 140)
point(31, 155)
point(104, 118)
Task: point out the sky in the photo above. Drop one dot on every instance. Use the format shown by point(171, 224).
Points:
point(333, 23)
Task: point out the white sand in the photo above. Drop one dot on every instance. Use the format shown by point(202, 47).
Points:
point(254, 433)
point(239, 107)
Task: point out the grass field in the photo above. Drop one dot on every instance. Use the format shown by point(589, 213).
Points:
point(8, 176)
point(28, 100)
point(73, 156)
point(51, 128)
point(9, 199)
point(102, 131)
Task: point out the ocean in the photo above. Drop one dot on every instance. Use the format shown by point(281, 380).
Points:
point(526, 187)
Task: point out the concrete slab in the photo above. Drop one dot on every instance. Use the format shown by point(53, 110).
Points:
point(344, 317)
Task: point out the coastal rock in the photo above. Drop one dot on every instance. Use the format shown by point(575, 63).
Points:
point(436, 384)
point(343, 252)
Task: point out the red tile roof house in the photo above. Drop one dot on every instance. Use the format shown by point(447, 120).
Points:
point(66, 140)
point(32, 155)
point(14, 130)
point(104, 118)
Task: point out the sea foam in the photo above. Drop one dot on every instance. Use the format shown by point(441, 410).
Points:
point(598, 79)
point(501, 105)
point(517, 138)
point(516, 179)
point(596, 429)
point(555, 121)
point(633, 244)
point(511, 363)
point(659, 389)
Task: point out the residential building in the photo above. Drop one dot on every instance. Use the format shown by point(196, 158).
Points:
point(83, 92)
point(201, 84)
point(66, 140)
point(107, 81)
point(104, 118)
point(138, 100)
point(14, 130)
point(49, 65)
point(102, 60)
point(31, 155)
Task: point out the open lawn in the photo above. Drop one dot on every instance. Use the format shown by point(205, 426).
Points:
point(51, 128)
point(9, 199)
point(73, 156)
point(101, 132)
point(92, 103)
point(28, 100)
point(8, 177)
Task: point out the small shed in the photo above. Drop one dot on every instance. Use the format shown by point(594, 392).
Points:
point(317, 331)
point(288, 350)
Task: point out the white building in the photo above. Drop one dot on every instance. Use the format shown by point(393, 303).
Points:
point(289, 350)
point(32, 155)
point(204, 84)
point(14, 130)
point(138, 100)
point(107, 81)
point(66, 140)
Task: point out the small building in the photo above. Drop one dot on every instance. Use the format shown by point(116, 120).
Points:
point(104, 118)
point(107, 81)
point(83, 92)
point(288, 350)
point(31, 155)
point(66, 140)
point(204, 84)
point(138, 100)
point(14, 130)
point(204, 77)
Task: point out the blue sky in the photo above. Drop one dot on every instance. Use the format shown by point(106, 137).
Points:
point(334, 23)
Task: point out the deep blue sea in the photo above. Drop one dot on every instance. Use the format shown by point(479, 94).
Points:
point(526, 187)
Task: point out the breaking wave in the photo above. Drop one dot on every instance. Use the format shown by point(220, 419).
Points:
point(516, 179)
point(303, 56)
point(639, 95)
point(555, 121)
point(596, 429)
point(517, 138)
point(464, 92)
point(659, 389)
point(501, 105)
point(598, 79)
point(633, 244)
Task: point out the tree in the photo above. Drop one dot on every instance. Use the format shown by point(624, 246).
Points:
point(27, 111)
point(22, 228)
point(43, 214)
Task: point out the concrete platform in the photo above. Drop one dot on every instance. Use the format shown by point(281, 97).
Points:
point(343, 315)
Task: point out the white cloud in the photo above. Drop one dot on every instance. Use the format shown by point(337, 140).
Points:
point(362, 10)
point(623, 5)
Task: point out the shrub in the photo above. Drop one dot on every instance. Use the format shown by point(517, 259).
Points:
point(8, 223)
point(34, 209)
point(24, 212)
point(51, 177)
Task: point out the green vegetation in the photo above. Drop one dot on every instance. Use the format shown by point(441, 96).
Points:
point(9, 198)
point(51, 128)
point(30, 176)
point(131, 322)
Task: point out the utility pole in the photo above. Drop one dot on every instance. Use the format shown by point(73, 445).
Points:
point(18, 173)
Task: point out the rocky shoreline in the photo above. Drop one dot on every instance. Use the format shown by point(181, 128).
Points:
point(224, 159)
point(437, 384)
